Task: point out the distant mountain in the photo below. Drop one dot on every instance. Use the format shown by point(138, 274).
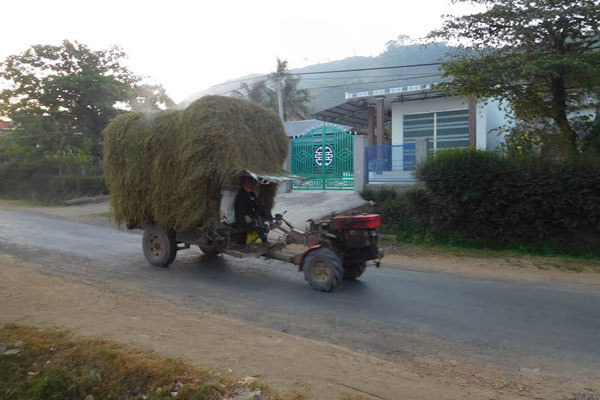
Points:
point(328, 90)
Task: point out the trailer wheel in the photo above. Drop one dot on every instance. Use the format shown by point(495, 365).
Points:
point(354, 270)
point(322, 269)
point(160, 246)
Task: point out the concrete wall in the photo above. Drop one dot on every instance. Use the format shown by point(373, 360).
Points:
point(481, 125)
point(489, 117)
point(422, 106)
point(286, 187)
point(360, 173)
point(496, 118)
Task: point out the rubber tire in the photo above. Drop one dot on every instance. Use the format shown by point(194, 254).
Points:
point(354, 270)
point(208, 251)
point(334, 265)
point(170, 246)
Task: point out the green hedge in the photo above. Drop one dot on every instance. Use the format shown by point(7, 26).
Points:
point(41, 181)
point(483, 198)
point(404, 214)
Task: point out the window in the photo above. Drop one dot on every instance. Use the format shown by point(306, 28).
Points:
point(444, 129)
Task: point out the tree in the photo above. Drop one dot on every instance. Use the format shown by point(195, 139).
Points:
point(61, 97)
point(259, 93)
point(296, 102)
point(150, 98)
point(401, 41)
point(542, 56)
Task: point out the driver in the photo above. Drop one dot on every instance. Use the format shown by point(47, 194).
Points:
point(247, 210)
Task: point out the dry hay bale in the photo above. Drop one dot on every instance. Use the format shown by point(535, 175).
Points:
point(168, 167)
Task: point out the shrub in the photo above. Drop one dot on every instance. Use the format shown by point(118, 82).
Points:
point(483, 199)
point(404, 214)
point(378, 195)
point(41, 181)
point(482, 195)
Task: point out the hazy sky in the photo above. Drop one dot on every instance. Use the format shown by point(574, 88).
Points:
point(190, 45)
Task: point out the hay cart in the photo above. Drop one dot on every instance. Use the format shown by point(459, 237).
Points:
point(331, 250)
point(175, 174)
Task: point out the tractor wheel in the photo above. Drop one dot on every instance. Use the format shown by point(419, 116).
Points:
point(322, 269)
point(354, 270)
point(160, 246)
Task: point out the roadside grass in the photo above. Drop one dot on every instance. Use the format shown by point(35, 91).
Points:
point(549, 260)
point(55, 364)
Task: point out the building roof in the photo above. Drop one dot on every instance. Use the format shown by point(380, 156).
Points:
point(355, 110)
point(400, 90)
point(294, 129)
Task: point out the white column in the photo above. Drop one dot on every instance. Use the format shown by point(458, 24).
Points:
point(360, 172)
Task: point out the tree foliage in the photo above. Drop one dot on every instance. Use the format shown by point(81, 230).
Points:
point(296, 102)
point(542, 56)
point(61, 97)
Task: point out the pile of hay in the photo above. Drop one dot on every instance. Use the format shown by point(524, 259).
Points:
point(168, 167)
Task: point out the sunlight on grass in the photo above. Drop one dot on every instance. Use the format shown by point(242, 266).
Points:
point(55, 364)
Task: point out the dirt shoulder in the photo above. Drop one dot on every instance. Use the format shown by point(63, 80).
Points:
point(76, 212)
point(494, 264)
point(289, 363)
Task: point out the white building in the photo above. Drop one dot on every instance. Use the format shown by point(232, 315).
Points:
point(419, 111)
point(416, 112)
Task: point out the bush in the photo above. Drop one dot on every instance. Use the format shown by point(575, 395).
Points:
point(41, 181)
point(378, 195)
point(484, 199)
point(404, 214)
point(515, 200)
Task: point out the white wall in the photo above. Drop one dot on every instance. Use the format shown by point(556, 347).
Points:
point(588, 111)
point(489, 117)
point(422, 106)
point(481, 126)
point(496, 118)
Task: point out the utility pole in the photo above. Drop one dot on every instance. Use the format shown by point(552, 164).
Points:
point(278, 78)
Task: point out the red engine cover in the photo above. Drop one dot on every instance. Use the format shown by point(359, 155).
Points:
point(356, 222)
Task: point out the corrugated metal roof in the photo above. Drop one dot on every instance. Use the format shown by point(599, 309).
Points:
point(353, 112)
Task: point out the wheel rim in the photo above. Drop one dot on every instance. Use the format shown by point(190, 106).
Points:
point(320, 270)
point(156, 246)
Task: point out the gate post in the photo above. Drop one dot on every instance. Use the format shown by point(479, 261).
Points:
point(421, 150)
point(323, 166)
point(287, 166)
point(379, 129)
point(360, 162)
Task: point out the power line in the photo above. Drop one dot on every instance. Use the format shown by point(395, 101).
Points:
point(332, 72)
point(370, 83)
point(241, 80)
point(235, 90)
point(361, 83)
point(364, 76)
point(365, 69)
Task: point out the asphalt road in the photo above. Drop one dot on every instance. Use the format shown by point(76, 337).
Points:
point(393, 312)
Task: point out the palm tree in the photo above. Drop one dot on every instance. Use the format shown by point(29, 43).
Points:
point(296, 102)
point(257, 92)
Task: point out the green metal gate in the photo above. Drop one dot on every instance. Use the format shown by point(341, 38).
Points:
point(325, 157)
